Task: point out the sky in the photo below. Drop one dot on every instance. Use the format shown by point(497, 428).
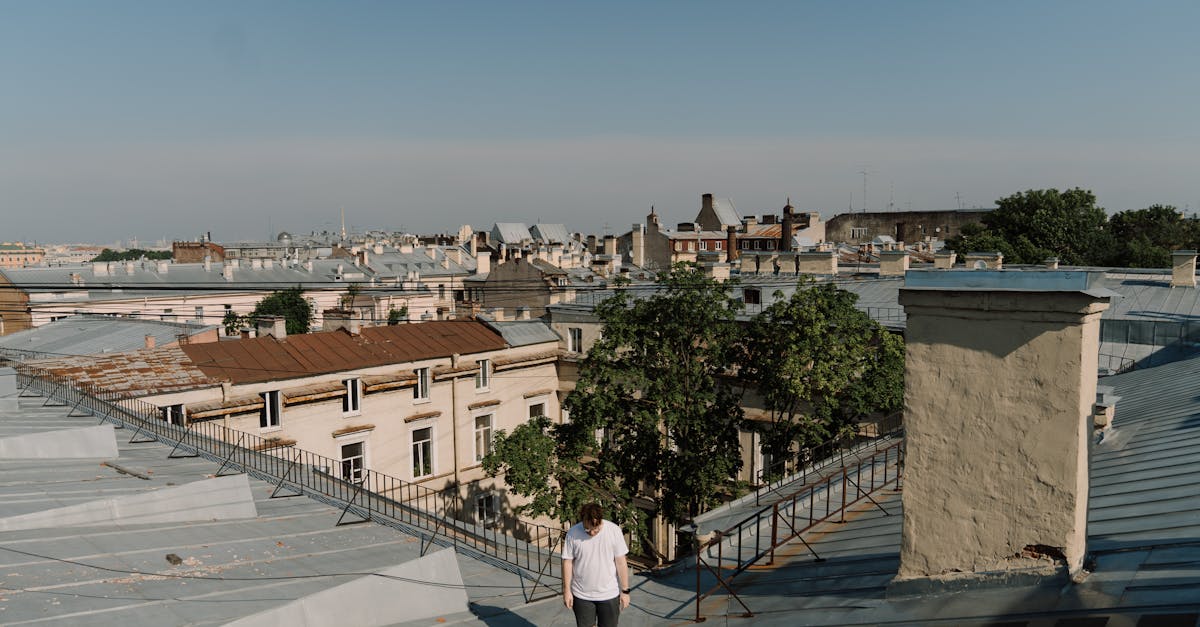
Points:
point(165, 120)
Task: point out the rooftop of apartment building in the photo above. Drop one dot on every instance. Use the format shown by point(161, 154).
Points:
point(124, 531)
point(252, 360)
point(88, 334)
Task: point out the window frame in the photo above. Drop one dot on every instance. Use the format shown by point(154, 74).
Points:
point(421, 387)
point(483, 378)
point(356, 474)
point(174, 414)
point(270, 417)
point(484, 515)
point(574, 339)
point(427, 455)
point(484, 436)
point(352, 399)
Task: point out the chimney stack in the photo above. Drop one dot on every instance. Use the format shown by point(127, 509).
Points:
point(893, 262)
point(275, 326)
point(610, 245)
point(1183, 271)
point(483, 261)
point(150, 341)
point(785, 232)
point(731, 250)
point(944, 260)
point(996, 475)
point(637, 245)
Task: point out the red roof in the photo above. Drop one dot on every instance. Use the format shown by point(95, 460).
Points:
point(267, 359)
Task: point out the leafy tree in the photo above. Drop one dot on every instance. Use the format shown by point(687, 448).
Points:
point(820, 364)
point(396, 316)
point(1146, 237)
point(232, 322)
point(1037, 224)
point(290, 304)
point(654, 384)
point(133, 254)
point(347, 299)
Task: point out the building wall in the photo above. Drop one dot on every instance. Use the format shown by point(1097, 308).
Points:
point(13, 303)
point(905, 226)
point(20, 256)
point(516, 283)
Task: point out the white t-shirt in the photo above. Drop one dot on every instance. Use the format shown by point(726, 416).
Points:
point(594, 571)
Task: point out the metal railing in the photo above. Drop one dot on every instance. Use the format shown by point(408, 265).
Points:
point(758, 535)
point(433, 515)
point(817, 459)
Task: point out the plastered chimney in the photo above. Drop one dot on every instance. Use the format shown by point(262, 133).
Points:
point(984, 260)
point(999, 388)
point(275, 326)
point(817, 262)
point(637, 245)
point(483, 262)
point(944, 260)
point(150, 341)
point(1051, 263)
point(1183, 268)
point(610, 245)
point(893, 262)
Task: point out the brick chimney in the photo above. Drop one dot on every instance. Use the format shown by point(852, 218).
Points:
point(785, 232)
point(731, 249)
point(1183, 268)
point(999, 388)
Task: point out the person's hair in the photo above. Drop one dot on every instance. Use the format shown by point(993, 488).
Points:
point(591, 514)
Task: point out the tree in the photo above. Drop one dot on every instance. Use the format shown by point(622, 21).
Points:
point(655, 385)
point(232, 322)
point(396, 316)
point(290, 304)
point(820, 364)
point(1037, 224)
point(1146, 237)
point(133, 254)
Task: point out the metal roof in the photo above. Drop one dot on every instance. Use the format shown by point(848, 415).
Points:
point(201, 569)
point(524, 332)
point(550, 233)
point(726, 212)
point(147, 371)
point(90, 334)
point(510, 232)
point(267, 359)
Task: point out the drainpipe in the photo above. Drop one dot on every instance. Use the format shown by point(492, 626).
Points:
point(454, 418)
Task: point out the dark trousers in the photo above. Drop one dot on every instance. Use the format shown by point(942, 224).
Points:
point(588, 612)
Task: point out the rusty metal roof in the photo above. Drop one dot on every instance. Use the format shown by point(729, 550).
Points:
point(140, 372)
point(267, 359)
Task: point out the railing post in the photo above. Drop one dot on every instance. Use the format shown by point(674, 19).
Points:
point(774, 532)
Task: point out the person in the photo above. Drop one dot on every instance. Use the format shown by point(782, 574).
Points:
point(595, 573)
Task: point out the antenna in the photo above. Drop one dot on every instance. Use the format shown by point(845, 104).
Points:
point(958, 197)
point(864, 173)
point(892, 196)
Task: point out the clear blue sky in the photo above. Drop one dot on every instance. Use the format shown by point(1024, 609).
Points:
point(167, 119)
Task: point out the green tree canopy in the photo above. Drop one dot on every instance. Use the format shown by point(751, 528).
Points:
point(133, 254)
point(290, 304)
point(1146, 237)
point(820, 364)
point(1030, 226)
point(654, 386)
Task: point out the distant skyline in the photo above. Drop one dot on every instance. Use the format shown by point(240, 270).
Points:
point(154, 120)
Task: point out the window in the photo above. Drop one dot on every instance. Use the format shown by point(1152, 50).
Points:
point(168, 315)
point(441, 292)
point(173, 414)
point(537, 410)
point(199, 314)
point(353, 456)
point(483, 436)
point(487, 507)
point(422, 452)
point(703, 245)
point(268, 416)
point(421, 389)
point(718, 245)
point(757, 244)
point(484, 377)
point(574, 340)
point(752, 296)
point(352, 401)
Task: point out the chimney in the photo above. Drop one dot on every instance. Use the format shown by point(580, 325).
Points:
point(274, 326)
point(749, 223)
point(818, 262)
point(1183, 264)
point(308, 266)
point(637, 245)
point(244, 333)
point(208, 263)
point(268, 263)
point(130, 267)
point(431, 250)
point(1051, 263)
point(610, 245)
point(984, 261)
point(334, 319)
point(731, 250)
point(378, 249)
point(227, 271)
point(591, 244)
point(785, 232)
point(256, 264)
point(706, 203)
point(944, 260)
point(150, 341)
point(455, 254)
point(100, 268)
point(893, 262)
point(483, 262)
point(996, 479)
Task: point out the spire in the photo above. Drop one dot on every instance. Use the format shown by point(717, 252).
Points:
point(343, 224)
